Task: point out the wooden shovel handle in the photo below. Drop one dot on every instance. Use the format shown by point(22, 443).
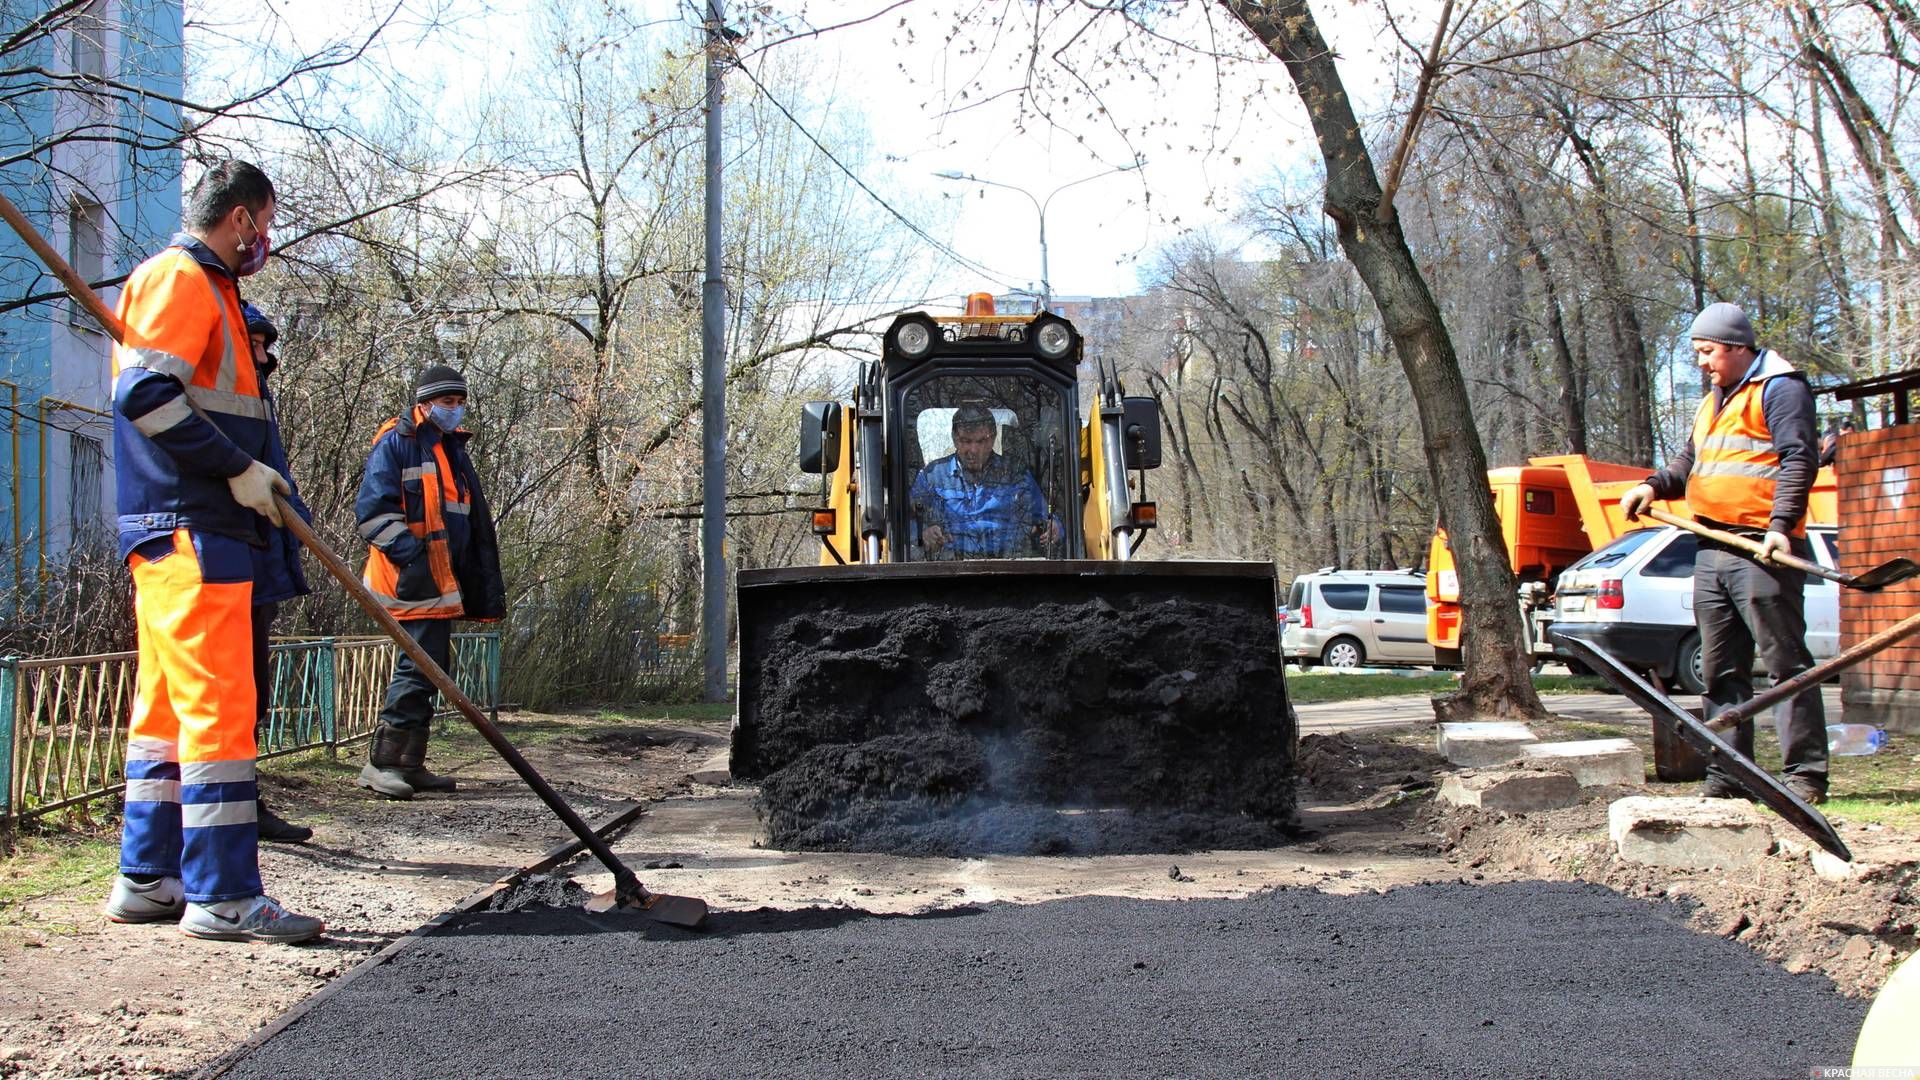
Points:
point(1744, 544)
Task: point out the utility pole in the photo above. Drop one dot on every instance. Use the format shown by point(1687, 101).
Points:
point(713, 387)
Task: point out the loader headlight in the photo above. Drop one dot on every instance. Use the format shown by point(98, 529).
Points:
point(913, 339)
point(1053, 338)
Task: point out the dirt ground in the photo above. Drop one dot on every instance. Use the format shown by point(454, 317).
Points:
point(83, 997)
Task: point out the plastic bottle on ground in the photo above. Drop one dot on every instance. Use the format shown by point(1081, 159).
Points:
point(1854, 740)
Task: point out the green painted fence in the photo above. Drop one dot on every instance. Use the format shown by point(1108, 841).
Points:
point(63, 722)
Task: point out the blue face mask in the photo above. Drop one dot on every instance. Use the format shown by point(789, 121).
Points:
point(447, 417)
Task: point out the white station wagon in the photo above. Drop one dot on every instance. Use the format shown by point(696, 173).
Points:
point(1634, 600)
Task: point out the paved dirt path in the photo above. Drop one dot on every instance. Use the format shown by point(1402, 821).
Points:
point(1527, 979)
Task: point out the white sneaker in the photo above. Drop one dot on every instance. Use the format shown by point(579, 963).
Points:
point(161, 900)
point(256, 918)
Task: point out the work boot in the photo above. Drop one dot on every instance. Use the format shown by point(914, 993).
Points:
point(1720, 787)
point(162, 899)
point(1812, 791)
point(383, 773)
point(413, 764)
point(278, 830)
point(255, 918)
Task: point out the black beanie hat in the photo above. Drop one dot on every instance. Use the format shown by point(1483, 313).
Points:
point(436, 380)
point(258, 323)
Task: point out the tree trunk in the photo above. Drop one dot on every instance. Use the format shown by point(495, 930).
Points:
point(1497, 680)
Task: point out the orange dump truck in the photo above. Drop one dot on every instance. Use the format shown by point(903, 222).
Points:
point(1553, 511)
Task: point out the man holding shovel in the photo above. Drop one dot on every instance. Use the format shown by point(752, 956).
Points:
point(1748, 469)
point(190, 430)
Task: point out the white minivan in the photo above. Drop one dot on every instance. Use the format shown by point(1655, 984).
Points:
point(1357, 618)
point(1634, 599)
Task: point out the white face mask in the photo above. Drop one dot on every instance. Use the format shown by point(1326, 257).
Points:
point(447, 417)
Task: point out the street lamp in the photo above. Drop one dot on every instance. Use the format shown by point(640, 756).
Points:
point(1040, 208)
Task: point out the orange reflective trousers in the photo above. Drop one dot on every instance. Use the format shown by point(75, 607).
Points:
point(191, 808)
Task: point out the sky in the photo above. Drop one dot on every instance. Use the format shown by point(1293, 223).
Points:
point(1170, 145)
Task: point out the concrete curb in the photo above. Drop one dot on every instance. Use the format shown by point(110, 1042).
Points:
point(554, 857)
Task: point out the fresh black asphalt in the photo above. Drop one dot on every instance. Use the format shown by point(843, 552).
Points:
point(1515, 980)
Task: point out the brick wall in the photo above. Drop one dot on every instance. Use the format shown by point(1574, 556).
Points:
point(1878, 476)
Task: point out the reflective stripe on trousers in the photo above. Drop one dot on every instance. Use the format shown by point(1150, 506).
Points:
point(190, 753)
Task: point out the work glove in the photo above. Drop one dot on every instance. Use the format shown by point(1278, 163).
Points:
point(1776, 544)
point(1636, 500)
point(416, 580)
point(255, 488)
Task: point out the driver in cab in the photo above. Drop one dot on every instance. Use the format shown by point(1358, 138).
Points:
point(973, 503)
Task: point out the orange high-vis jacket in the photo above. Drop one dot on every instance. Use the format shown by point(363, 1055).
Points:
point(432, 552)
point(1735, 465)
point(186, 346)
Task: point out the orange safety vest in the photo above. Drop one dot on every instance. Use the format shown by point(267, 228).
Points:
point(1734, 463)
point(425, 517)
point(183, 322)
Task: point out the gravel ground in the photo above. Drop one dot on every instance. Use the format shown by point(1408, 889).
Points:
point(1524, 979)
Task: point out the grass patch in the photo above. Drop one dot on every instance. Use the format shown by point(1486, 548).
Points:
point(1312, 686)
point(644, 714)
point(1595, 729)
point(1882, 788)
point(55, 863)
point(315, 765)
point(1875, 789)
point(1570, 684)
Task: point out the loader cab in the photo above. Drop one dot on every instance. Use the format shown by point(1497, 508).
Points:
point(986, 434)
point(965, 440)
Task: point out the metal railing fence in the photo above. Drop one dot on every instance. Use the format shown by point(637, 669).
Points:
point(63, 721)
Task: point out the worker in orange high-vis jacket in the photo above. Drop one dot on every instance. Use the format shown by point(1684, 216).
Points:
point(1748, 469)
point(190, 431)
point(432, 558)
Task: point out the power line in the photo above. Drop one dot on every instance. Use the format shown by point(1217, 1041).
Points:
point(959, 259)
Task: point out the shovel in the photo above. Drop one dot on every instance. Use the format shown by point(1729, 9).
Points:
point(627, 891)
point(1891, 572)
point(1758, 781)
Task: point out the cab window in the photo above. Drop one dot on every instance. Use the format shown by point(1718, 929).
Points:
point(989, 461)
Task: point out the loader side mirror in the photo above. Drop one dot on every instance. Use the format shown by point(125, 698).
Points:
point(1140, 419)
point(820, 436)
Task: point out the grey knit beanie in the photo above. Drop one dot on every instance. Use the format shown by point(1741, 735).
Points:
point(1724, 323)
point(436, 380)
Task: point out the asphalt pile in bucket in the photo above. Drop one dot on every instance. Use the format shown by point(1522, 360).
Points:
point(1527, 979)
point(995, 720)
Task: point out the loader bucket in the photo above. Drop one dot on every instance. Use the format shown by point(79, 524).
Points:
point(1014, 706)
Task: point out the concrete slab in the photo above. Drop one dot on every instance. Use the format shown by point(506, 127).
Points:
point(1593, 762)
point(1691, 834)
point(1827, 866)
point(716, 770)
point(1479, 743)
point(1512, 791)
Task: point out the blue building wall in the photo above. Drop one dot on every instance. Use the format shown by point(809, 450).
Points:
point(57, 144)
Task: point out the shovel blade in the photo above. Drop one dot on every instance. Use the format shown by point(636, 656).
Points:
point(1758, 782)
point(685, 911)
point(1891, 572)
